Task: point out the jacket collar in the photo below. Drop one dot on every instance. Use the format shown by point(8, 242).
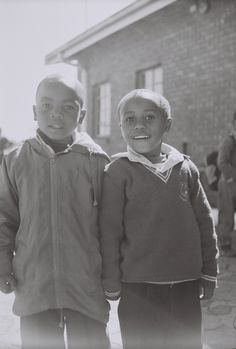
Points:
point(173, 157)
point(82, 143)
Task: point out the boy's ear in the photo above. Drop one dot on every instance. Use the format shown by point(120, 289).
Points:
point(34, 111)
point(168, 125)
point(82, 115)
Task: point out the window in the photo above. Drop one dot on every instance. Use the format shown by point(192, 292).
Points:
point(102, 110)
point(151, 79)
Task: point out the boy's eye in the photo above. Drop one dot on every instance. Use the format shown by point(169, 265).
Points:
point(69, 107)
point(149, 116)
point(45, 106)
point(129, 119)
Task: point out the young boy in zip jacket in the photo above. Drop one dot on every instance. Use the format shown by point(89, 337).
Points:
point(49, 249)
point(157, 233)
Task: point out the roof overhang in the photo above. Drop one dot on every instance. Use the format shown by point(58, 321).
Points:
point(129, 15)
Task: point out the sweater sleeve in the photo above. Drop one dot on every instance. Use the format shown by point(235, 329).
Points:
point(206, 226)
point(111, 229)
point(9, 220)
point(224, 158)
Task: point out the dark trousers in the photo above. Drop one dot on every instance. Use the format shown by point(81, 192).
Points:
point(226, 206)
point(160, 316)
point(46, 330)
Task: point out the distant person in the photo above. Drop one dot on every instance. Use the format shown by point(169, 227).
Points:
point(4, 144)
point(49, 250)
point(212, 170)
point(227, 190)
point(157, 232)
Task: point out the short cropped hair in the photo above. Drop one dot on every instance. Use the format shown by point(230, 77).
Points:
point(160, 101)
point(73, 84)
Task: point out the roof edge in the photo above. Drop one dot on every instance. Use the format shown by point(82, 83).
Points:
point(121, 19)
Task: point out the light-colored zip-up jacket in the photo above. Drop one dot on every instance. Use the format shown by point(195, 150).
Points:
point(48, 226)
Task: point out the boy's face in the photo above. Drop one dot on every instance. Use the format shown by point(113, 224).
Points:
point(57, 110)
point(143, 126)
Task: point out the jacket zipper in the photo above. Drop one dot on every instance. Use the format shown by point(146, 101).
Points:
point(54, 222)
point(54, 212)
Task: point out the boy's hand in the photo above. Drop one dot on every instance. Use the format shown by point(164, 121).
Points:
point(7, 283)
point(206, 289)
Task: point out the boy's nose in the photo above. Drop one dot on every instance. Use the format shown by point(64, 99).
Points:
point(139, 125)
point(56, 115)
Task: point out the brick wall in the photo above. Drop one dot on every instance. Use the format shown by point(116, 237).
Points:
point(198, 55)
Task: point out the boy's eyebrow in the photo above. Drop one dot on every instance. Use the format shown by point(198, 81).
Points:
point(132, 112)
point(63, 101)
point(45, 97)
point(74, 100)
point(149, 110)
point(129, 112)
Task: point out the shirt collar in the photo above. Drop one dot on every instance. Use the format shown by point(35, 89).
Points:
point(172, 159)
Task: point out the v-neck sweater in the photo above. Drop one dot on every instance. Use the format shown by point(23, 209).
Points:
point(155, 227)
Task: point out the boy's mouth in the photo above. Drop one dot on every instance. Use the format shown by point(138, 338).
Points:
point(56, 126)
point(140, 137)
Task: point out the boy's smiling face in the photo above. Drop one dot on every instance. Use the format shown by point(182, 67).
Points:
point(143, 126)
point(57, 110)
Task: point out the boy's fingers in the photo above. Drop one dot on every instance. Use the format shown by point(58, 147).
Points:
point(208, 293)
point(205, 293)
point(12, 282)
point(6, 288)
point(201, 292)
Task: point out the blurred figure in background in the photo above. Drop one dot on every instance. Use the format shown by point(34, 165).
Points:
point(212, 171)
point(4, 144)
point(227, 190)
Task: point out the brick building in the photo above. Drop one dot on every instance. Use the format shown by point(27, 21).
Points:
point(185, 49)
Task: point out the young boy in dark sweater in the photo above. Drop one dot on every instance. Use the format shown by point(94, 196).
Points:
point(157, 233)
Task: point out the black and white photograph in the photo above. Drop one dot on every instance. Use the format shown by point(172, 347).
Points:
point(118, 174)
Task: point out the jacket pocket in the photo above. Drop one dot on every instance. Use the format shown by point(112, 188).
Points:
point(18, 263)
point(95, 260)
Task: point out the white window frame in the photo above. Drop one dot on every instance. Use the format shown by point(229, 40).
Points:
point(151, 79)
point(104, 115)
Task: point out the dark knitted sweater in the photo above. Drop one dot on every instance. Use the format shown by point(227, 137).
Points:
point(155, 229)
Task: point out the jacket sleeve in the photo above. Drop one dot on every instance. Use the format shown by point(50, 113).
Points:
point(224, 158)
point(206, 226)
point(111, 229)
point(97, 176)
point(9, 220)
